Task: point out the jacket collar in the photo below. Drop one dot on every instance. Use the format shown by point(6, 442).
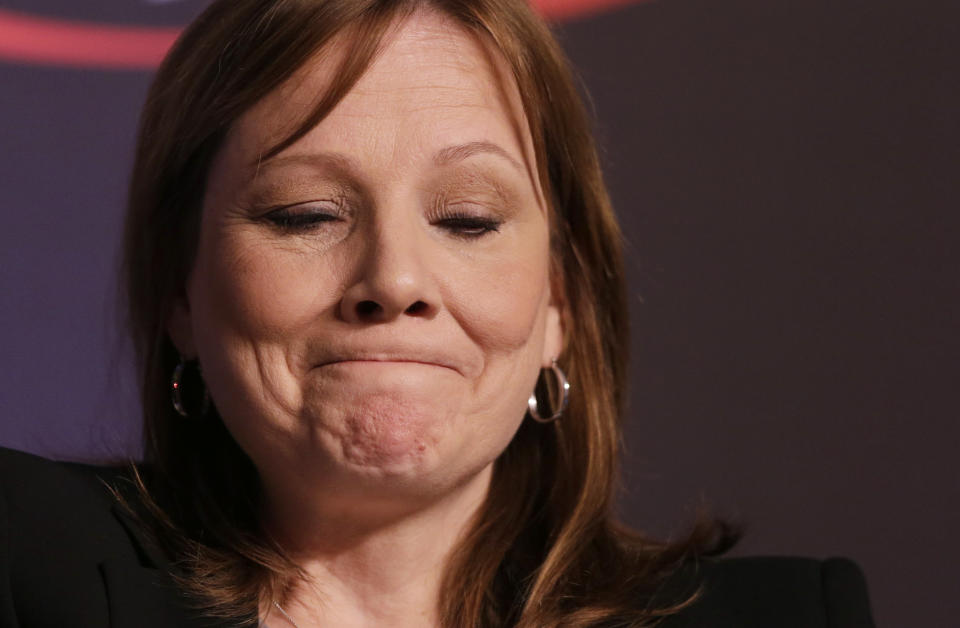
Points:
point(141, 594)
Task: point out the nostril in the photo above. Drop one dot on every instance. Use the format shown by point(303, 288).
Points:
point(366, 309)
point(417, 308)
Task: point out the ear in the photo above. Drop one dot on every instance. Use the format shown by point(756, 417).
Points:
point(554, 332)
point(180, 329)
point(553, 336)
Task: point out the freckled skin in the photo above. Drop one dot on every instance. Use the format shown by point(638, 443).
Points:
point(267, 307)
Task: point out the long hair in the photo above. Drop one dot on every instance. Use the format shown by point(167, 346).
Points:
point(544, 549)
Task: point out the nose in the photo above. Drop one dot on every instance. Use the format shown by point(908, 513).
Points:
point(391, 279)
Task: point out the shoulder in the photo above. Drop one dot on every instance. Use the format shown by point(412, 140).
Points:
point(775, 591)
point(56, 528)
point(39, 494)
point(47, 504)
point(24, 476)
point(68, 555)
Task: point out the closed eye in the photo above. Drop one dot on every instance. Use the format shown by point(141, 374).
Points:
point(300, 219)
point(470, 227)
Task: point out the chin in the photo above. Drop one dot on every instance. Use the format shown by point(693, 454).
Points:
point(392, 435)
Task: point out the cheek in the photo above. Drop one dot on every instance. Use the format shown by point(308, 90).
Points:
point(501, 303)
point(504, 313)
point(250, 303)
point(256, 290)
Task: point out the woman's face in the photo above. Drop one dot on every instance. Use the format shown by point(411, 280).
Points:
point(372, 306)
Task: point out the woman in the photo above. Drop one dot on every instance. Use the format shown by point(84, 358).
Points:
point(381, 230)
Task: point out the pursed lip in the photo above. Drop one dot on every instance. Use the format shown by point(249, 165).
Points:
point(359, 358)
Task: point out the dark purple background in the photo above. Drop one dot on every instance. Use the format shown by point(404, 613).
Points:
point(787, 177)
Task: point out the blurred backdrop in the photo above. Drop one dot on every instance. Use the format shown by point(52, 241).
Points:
point(787, 177)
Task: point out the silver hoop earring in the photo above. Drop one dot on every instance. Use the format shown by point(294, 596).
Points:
point(176, 390)
point(562, 385)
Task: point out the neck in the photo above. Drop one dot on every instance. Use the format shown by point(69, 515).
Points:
point(370, 565)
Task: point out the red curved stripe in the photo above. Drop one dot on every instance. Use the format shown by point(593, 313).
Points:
point(50, 41)
point(567, 9)
point(29, 39)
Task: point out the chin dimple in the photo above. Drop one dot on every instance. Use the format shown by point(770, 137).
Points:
point(385, 432)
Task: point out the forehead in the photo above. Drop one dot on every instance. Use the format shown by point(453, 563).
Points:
point(433, 83)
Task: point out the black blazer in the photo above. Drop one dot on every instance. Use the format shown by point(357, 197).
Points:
point(69, 557)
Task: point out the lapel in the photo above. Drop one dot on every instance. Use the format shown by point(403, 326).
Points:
point(141, 594)
point(143, 597)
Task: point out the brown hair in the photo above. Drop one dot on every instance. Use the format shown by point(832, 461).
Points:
point(544, 550)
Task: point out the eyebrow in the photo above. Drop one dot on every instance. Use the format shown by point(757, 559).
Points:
point(459, 152)
point(338, 161)
point(333, 161)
